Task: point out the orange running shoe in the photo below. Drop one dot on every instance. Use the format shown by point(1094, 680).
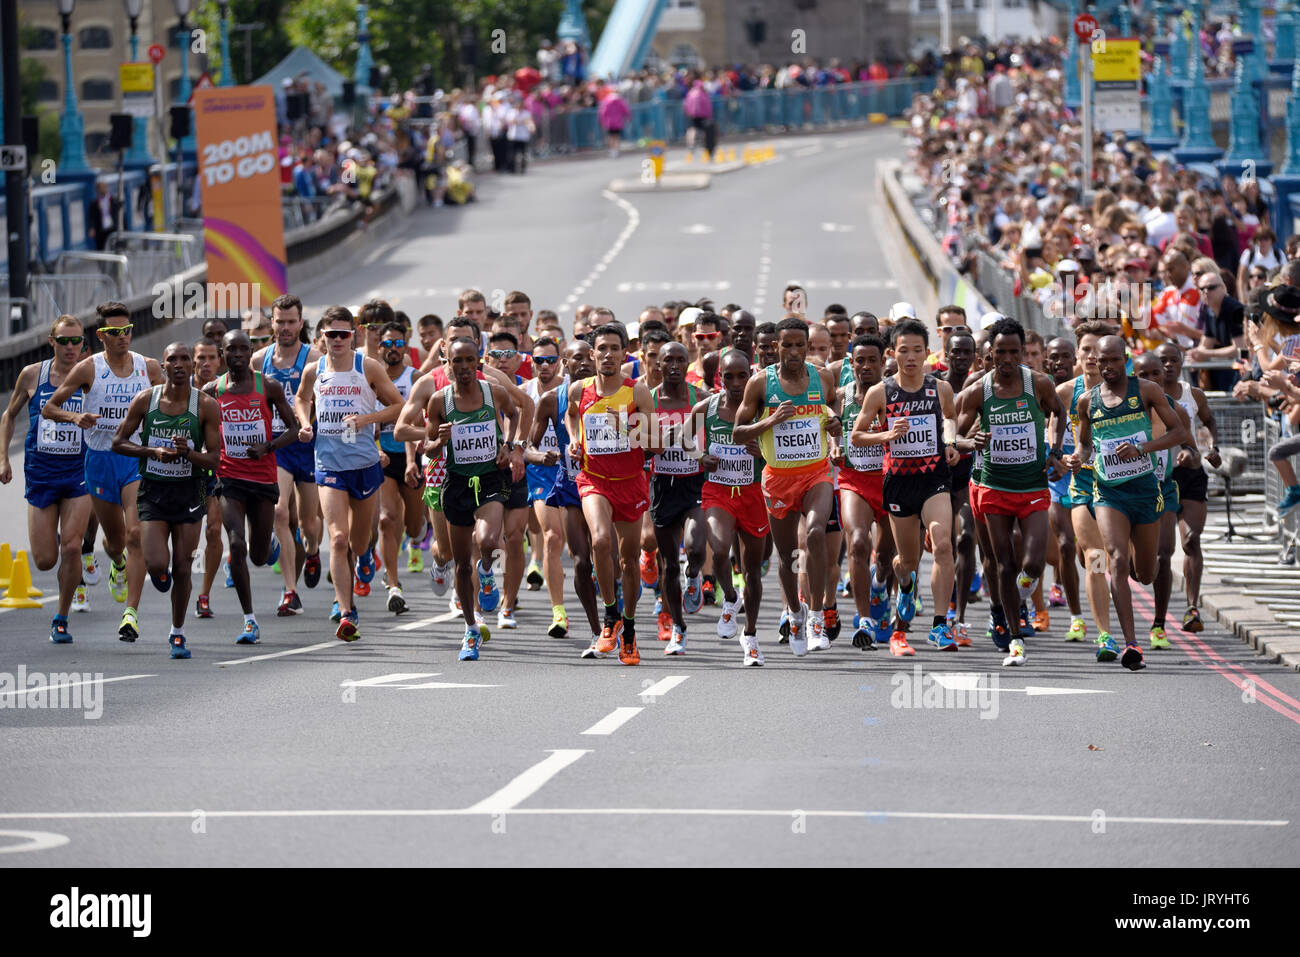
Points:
point(832, 623)
point(665, 626)
point(627, 652)
point(649, 569)
point(1042, 621)
point(360, 588)
point(609, 636)
point(898, 645)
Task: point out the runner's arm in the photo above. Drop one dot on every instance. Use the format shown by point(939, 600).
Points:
point(385, 392)
point(572, 420)
point(23, 389)
point(410, 421)
point(153, 369)
point(949, 410)
point(746, 429)
point(1206, 414)
point(78, 378)
point(302, 402)
point(546, 409)
point(510, 412)
point(1083, 438)
point(1156, 402)
point(275, 395)
point(122, 443)
point(1045, 393)
point(873, 407)
point(210, 418)
point(437, 431)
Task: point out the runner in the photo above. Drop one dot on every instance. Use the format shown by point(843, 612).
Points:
point(543, 477)
point(1126, 494)
point(401, 498)
point(765, 347)
point(207, 360)
point(1060, 366)
point(179, 431)
point(284, 361)
point(918, 462)
point(1013, 483)
point(465, 420)
point(246, 473)
point(612, 483)
point(955, 361)
point(787, 411)
point(54, 471)
point(346, 390)
point(504, 356)
point(111, 380)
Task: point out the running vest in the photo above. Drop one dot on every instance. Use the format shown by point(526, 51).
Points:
point(245, 421)
point(533, 387)
point(674, 462)
point(386, 440)
point(567, 468)
point(475, 435)
point(921, 450)
point(288, 377)
point(339, 395)
point(799, 441)
point(1165, 457)
point(607, 451)
point(53, 451)
point(737, 466)
point(1127, 422)
point(1188, 402)
point(869, 458)
point(109, 397)
point(157, 431)
point(1015, 457)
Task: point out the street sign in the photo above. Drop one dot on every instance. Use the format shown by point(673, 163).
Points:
point(204, 82)
point(13, 159)
point(156, 53)
point(1120, 62)
point(1117, 69)
point(136, 77)
point(1085, 25)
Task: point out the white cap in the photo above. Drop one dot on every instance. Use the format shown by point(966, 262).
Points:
point(1068, 265)
point(989, 318)
point(634, 330)
point(901, 310)
point(688, 316)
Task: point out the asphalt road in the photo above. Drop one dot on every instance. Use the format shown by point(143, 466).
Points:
point(275, 755)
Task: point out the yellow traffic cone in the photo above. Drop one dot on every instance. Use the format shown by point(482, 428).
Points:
point(731, 155)
point(690, 156)
point(706, 158)
point(747, 157)
point(21, 594)
point(771, 152)
point(719, 155)
point(6, 564)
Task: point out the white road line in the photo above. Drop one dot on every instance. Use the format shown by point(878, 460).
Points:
point(613, 721)
point(808, 150)
point(281, 654)
point(529, 783)
point(663, 686)
point(425, 622)
point(71, 684)
point(493, 804)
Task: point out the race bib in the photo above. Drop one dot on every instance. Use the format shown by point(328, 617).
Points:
point(178, 470)
point(277, 423)
point(1013, 443)
point(735, 464)
point(601, 437)
point(870, 458)
point(1162, 463)
point(798, 440)
point(675, 462)
point(237, 436)
point(550, 442)
point(473, 443)
point(921, 440)
point(57, 438)
point(1115, 469)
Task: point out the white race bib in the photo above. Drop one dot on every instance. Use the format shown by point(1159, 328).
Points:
point(601, 438)
point(798, 440)
point(57, 438)
point(1013, 443)
point(474, 442)
point(869, 458)
point(178, 469)
point(735, 464)
point(238, 436)
point(1115, 469)
point(921, 440)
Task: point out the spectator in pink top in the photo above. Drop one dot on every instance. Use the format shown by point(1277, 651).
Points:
point(613, 114)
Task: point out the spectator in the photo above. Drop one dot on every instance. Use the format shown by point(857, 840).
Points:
point(1262, 252)
point(613, 114)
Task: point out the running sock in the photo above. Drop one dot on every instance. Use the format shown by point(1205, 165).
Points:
point(60, 618)
point(938, 621)
point(999, 616)
point(1025, 585)
point(611, 611)
point(629, 628)
point(905, 588)
point(876, 579)
point(1158, 622)
point(176, 630)
point(252, 619)
point(483, 570)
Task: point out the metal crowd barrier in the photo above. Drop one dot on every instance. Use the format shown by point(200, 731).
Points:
point(156, 257)
point(1274, 488)
point(57, 294)
point(1244, 426)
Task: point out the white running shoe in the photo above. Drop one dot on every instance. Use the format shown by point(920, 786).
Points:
point(506, 618)
point(817, 640)
point(727, 620)
point(89, 569)
point(396, 602)
point(1017, 655)
point(440, 578)
point(80, 600)
point(677, 644)
point(799, 632)
point(749, 647)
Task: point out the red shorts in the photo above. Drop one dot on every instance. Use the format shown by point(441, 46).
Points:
point(784, 489)
point(629, 498)
point(866, 485)
point(974, 498)
point(1013, 504)
point(742, 502)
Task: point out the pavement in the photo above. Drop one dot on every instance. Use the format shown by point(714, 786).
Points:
point(389, 751)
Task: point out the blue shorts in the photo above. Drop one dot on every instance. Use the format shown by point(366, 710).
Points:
point(107, 473)
point(51, 492)
point(358, 483)
point(1060, 490)
point(541, 479)
point(1169, 497)
point(299, 460)
point(564, 495)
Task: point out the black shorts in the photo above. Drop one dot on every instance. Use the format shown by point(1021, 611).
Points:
point(516, 492)
point(176, 503)
point(242, 490)
point(699, 123)
point(961, 475)
point(460, 501)
point(1193, 484)
point(396, 467)
point(905, 495)
point(672, 498)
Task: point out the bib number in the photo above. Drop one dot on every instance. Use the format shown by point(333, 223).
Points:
point(870, 458)
point(1115, 469)
point(236, 437)
point(473, 443)
point(735, 464)
point(798, 440)
point(921, 440)
point(179, 469)
point(57, 438)
point(1013, 443)
point(601, 437)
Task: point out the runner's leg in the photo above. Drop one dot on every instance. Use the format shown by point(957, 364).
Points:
point(185, 538)
point(234, 517)
point(1192, 523)
point(1092, 549)
point(338, 517)
point(134, 554)
point(579, 539)
point(1117, 534)
point(392, 515)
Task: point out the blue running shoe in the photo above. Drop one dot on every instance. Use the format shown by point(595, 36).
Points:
point(693, 595)
point(1107, 650)
point(353, 615)
point(1026, 622)
point(883, 631)
point(469, 646)
point(59, 632)
point(783, 629)
point(659, 605)
point(161, 582)
point(941, 637)
point(879, 610)
point(275, 552)
point(230, 581)
point(909, 602)
point(250, 635)
point(366, 566)
point(976, 582)
point(335, 614)
point(1289, 501)
point(178, 646)
point(488, 595)
point(862, 633)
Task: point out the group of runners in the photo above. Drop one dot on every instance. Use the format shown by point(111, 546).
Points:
point(678, 455)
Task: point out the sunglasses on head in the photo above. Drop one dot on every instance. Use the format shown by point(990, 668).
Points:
point(117, 330)
point(546, 360)
point(502, 353)
point(68, 340)
point(393, 344)
point(337, 333)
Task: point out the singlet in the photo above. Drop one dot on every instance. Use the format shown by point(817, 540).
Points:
point(475, 435)
point(674, 462)
point(737, 466)
point(869, 458)
point(607, 451)
point(288, 377)
point(1127, 422)
point(1165, 458)
point(53, 451)
point(566, 467)
point(245, 421)
point(1015, 457)
point(159, 428)
point(386, 440)
point(533, 387)
point(109, 397)
point(921, 450)
point(1188, 402)
point(800, 441)
point(338, 395)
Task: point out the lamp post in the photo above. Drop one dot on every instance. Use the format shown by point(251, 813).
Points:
point(1285, 27)
point(1159, 102)
point(1125, 14)
point(227, 74)
point(365, 62)
point(1246, 154)
point(1198, 144)
point(185, 35)
point(1073, 95)
point(1178, 48)
point(138, 154)
point(72, 129)
point(1287, 182)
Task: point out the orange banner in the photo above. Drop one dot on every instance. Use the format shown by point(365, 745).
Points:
point(239, 182)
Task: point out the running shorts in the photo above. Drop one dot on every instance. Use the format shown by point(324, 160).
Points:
point(358, 483)
point(107, 473)
point(784, 489)
point(1014, 504)
point(744, 503)
point(905, 495)
point(1169, 497)
point(866, 485)
point(976, 493)
point(671, 499)
point(242, 490)
point(516, 492)
point(299, 460)
point(629, 498)
point(1193, 484)
point(463, 495)
point(45, 494)
point(1138, 499)
point(176, 503)
point(564, 494)
point(396, 467)
point(541, 479)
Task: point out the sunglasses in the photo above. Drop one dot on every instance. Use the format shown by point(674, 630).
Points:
point(707, 335)
point(1211, 287)
point(502, 353)
point(116, 330)
point(374, 325)
point(68, 340)
point(393, 344)
point(338, 333)
point(258, 340)
point(546, 360)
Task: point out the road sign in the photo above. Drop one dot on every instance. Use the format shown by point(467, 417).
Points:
point(204, 82)
point(1085, 25)
point(156, 53)
point(1120, 62)
point(13, 159)
point(1117, 70)
point(136, 77)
